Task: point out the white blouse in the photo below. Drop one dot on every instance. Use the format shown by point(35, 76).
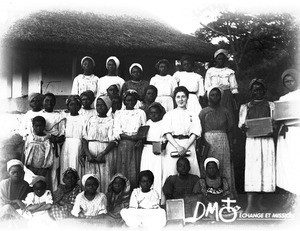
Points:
point(191, 80)
point(83, 83)
point(129, 121)
point(221, 77)
point(165, 84)
point(94, 207)
point(148, 200)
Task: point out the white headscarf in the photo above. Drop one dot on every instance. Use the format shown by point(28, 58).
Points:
point(211, 159)
point(117, 61)
point(14, 162)
point(212, 87)
point(135, 65)
point(105, 99)
point(87, 176)
point(221, 51)
point(87, 57)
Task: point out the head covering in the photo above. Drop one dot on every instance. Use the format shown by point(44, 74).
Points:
point(135, 65)
point(87, 176)
point(162, 61)
point(127, 182)
point(72, 171)
point(106, 100)
point(90, 94)
point(292, 72)
point(13, 162)
point(114, 58)
point(37, 179)
point(87, 57)
point(73, 98)
point(221, 51)
point(260, 81)
point(115, 84)
point(131, 92)
point(34, 95)
point(211, 88)
point(211, 159)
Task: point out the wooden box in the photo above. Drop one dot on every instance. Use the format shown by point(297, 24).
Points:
point(259, 127)
point(286, 110)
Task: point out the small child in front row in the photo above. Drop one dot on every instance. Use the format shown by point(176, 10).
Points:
point(212, 188)
point(39, 201)
point(144, 210)
point(90, 203)
point(39, 154)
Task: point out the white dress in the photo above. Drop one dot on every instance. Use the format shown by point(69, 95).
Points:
point(165, 87)
point(32, 199)
point(92, 208)
point(259, 158)
point(149, 160)
point(194, 83)
point(180, 122)
point(83, 83)
point(106, 81)
point(55, 125)
point(98, 133)
point(221, 77)
point(72, 145)
point(144, 210)
point(288, 158)
point(87, 113)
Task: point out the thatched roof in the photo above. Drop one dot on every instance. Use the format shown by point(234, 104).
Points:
point(89, 31)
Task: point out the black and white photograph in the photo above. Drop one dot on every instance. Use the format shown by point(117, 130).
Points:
point(149, 115)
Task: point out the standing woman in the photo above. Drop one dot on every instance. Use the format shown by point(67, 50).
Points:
point(181, 128)
point(165, 84)
point(87, 80)
point(112, 65)
point(192, 81)
point(224, 78)
point(126, 125)
point(98, 143)
point(259, 151)
point(287, 163)
point(217, 125)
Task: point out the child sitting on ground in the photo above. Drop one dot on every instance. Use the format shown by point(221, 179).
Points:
point(13, 190)
point(144, 210)
point(39, 201)
point(213, 187)
point(118, 196)
point(182, 185)
point(39, 154)
point(90, 203)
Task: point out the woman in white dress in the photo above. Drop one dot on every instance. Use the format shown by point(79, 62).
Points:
point(224, 78)
point(288, 158)
point(126, 125)
point(181, 128)
point(87, 80)
point(98, 143)
point(74, 133)
point(260, 151)
point(112, 65)
point(192, 81)
point(87, 99)
point(165, 84)
point(150, 160)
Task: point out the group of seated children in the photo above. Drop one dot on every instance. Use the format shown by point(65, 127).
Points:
point(141, 208)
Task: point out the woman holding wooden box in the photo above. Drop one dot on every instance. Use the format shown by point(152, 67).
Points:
point(260, 150)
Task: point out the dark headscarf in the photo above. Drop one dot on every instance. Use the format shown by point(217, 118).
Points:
point(90, 94)
point(73, 98)
point(259, 81)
